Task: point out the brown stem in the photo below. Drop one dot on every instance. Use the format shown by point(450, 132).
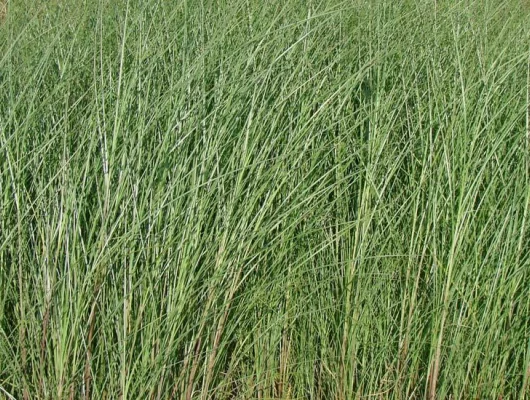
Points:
point(43, 342)
point(219, 332)
point(189, 390)
point(3, 9)
point(91, 324)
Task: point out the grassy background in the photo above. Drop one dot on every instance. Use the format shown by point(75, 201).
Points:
point(254, 200)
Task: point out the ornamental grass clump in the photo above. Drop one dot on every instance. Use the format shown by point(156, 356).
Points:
point(256, 200)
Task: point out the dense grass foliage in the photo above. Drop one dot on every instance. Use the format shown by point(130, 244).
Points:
point(265, 199)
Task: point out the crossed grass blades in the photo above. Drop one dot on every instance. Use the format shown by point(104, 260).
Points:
point(256, 200)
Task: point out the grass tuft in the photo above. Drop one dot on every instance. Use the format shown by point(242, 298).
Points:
point(256, 200)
